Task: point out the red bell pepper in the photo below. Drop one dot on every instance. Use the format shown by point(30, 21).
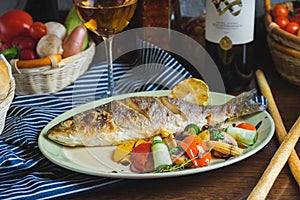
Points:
point(196, 150)
point(14, 23)
point(139, 156)
point(246, 126)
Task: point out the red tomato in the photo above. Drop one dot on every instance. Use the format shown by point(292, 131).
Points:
point(247, 126)
point(14, 23)
point(280, 11)
point(295, 19)
point(292, 28)
point(196, 150)
point(282, 22)
point(37, 30)
point(27, 54)
point(5, 45)
point(24, 42)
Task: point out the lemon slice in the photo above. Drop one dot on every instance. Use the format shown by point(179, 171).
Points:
point(192, 90)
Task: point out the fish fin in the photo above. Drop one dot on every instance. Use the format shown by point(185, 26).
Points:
point(247, 103)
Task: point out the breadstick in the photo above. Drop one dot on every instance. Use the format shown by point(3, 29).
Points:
point(276, 164)
point(293, 160)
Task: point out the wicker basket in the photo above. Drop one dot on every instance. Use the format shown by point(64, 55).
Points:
point(5, 104)
point(284, 47)
point(51, 79)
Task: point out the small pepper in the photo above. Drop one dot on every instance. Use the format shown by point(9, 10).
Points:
point(196, 150)
point(140, 155)
point(11, 53)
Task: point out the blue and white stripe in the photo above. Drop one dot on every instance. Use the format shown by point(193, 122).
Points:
point(24, 172)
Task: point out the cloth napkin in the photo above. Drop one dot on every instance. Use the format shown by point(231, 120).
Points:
point(24, 172)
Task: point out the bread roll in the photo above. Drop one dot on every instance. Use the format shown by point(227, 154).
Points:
point(4, 80)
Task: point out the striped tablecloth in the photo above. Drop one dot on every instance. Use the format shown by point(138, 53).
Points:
point(24, 172)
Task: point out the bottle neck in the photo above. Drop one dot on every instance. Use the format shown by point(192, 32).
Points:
point(43, 10)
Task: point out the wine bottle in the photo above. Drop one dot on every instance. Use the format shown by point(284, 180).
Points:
point(43, 11)
point(184, 12)
point(154, 13)
point(229, 30)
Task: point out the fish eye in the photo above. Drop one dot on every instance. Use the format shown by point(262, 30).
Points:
point(67, 123)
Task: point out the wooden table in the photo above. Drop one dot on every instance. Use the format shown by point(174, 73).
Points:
point(235, 181)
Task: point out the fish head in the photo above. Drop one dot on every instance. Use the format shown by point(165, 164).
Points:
point(64, 133)
point(90, 128)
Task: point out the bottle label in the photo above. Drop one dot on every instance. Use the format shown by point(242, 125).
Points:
point(230, 18)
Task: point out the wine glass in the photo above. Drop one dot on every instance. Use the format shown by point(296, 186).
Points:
point(106, 18)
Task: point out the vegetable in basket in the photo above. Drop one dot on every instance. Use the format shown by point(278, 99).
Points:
point(22, 38)
point(72, 21)
point(14, 23)
point(73, 43)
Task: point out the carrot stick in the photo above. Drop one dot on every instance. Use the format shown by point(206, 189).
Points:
point(278, 161)
point(39, 62)
point(281, 133)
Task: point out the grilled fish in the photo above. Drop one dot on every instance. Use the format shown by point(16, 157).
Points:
point(141, 117)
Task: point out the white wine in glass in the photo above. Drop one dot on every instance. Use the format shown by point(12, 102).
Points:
point(106, 18)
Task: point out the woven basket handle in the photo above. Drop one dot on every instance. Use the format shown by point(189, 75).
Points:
point(268, 8)
point(52, 61)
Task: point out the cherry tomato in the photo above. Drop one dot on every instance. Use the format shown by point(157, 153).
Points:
point(282, 22)
point(196, 150)
point(14, 23)
point(292, 28)
point(295, 19)
point(37, 30)
point(27, 54)
point(247, 126)
point(24, 42)
point(5, 45)
point(280, 10)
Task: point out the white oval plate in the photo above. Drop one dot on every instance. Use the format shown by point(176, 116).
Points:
point(98, 160)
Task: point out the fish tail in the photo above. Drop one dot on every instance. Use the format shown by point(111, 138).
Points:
point(247, 103)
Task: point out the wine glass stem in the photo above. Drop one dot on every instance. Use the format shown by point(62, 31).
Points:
point(108, 49)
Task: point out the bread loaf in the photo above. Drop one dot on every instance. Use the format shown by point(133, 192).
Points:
point(4, 80)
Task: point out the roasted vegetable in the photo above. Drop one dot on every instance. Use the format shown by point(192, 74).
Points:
point(139, 157)
point(243, 136)
point(226, 149)
point(122, 151)
point(192, 128)
point(196, 149)
point(160, 152)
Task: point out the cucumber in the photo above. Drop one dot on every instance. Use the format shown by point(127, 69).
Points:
point(161, 156)
point(192, 128)
point(242, 136)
